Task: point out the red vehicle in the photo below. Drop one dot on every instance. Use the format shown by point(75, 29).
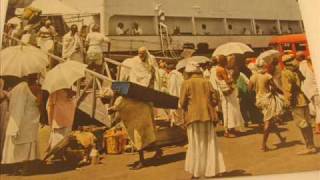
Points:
point(293, 42)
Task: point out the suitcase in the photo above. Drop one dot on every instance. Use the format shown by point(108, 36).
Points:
point(135, 91)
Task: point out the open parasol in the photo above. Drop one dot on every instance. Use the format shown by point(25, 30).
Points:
point(63, 76)
point(232, 48)
point(22, 60)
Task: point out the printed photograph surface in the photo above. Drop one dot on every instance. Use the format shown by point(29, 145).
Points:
point(156, 89)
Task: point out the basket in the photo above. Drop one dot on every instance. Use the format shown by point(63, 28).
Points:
point(115, 141)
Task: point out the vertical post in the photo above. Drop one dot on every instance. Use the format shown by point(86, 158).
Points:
point(103, 22)
point(94, 97)
point(253, 26)
point(78, 88)
point(156, 21)
point(194, 29)
point(301, 26)
point(279, 26)
point(118, 73)
point(225, 25)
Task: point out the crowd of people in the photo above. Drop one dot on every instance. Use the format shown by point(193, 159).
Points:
point(225, 91)
point(228, 92)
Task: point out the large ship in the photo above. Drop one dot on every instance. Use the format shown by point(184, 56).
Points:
point(200, 23)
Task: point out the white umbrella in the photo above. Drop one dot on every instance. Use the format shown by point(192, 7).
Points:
point(63, 76)
point(269, 56)
point(22, 60)
point(231, 48)
point(198, 59)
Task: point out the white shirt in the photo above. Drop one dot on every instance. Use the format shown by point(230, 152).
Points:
point(175, 80)
point(309, 85)
point(119, 31)
point(96, 40)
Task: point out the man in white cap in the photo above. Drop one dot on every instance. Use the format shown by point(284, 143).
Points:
point(296, 101)
point(198, 100)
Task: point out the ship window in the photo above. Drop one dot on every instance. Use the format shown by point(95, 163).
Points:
point(301, 46)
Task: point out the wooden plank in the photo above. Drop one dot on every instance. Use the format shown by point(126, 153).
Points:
point(100, 113)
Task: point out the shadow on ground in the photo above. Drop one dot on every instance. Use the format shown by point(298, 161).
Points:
point(39, 168)
point(166, 159)
point(237, 172)
point(288, 144)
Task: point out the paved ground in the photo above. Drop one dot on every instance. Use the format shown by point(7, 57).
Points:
point(242, 157)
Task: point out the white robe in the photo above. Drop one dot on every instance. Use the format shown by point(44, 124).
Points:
point(232, 117)
point(140, 72)
point(21, 141)
point(309, 85)
point(203, 157)
point(213, 81)
point(309, 88)
point(72, 47)
point(175, 80)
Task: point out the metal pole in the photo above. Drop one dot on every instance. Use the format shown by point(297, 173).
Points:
point(94, 97)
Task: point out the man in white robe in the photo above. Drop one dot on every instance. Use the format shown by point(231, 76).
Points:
point(175, 80)
point(232, 117)
point(72, 48)
point(145, 72)
point(21, 141)
point(309, 88)
point(138, 116)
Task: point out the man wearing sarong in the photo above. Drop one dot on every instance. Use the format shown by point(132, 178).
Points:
point(296, 101)
point(268, 101)
point(137, 116)
point(72, 48)
point(198, 100)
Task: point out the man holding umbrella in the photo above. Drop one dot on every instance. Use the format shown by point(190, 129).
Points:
point(21, 140)
point(62, 105)
point(21, 136)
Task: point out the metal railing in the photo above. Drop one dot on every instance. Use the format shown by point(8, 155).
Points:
point(93, 84)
